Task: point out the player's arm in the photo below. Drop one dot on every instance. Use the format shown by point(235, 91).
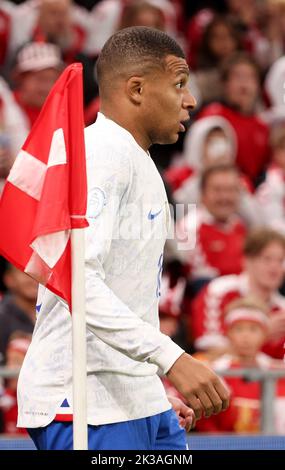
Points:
point(109, 318)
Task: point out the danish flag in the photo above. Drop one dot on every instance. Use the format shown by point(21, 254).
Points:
point(45, 194)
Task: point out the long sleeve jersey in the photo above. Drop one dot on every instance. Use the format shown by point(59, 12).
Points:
point(128, 219)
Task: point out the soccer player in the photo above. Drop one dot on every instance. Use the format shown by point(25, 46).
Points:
point(142, 76)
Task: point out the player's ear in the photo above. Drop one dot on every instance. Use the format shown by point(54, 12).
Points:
point(134, 89)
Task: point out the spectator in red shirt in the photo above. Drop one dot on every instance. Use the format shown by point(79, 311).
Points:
point(246, 324)
point(219, 230)
point(264, 257)
point(240, 77)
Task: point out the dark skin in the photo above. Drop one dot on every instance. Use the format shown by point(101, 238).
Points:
point(154, 107)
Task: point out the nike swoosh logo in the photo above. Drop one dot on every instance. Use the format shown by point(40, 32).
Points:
point(153, 215)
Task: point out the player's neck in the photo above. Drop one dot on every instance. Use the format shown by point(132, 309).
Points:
point(130, 123)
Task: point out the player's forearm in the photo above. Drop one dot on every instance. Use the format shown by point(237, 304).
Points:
point(115, 324)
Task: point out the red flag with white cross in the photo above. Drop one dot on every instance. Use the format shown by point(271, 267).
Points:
point(45, 194)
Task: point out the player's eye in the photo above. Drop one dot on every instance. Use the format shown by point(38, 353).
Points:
point(180, 84)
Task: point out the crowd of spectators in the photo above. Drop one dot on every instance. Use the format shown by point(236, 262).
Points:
point(222, 289)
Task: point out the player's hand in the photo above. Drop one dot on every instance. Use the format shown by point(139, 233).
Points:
point(202, 388)
point(186, 415)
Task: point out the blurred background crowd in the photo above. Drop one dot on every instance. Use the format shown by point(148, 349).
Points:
point(222, 289)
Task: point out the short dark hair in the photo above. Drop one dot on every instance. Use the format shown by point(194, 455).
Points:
point(211, 170)
point(260, 238)
point(134, 49)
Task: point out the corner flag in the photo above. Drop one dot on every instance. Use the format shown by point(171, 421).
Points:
point(45, 194)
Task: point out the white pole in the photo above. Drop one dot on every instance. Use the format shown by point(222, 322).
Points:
point(79, 357)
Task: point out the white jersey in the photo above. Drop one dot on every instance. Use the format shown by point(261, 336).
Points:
point(128, 219)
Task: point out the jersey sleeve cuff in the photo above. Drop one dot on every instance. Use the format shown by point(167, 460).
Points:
point(168, 353)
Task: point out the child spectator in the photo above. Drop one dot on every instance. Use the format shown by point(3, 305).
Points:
point(246, 325)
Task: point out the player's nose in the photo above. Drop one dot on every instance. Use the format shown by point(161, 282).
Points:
point(189, 101)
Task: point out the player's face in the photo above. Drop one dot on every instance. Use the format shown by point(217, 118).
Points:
point(168, 101)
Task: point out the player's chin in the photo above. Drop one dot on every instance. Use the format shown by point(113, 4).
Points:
point(171, 138)
point(167, 137)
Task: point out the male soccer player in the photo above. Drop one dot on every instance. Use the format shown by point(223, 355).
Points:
point(142, 76)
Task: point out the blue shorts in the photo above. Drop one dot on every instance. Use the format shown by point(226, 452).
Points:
point(159, 432)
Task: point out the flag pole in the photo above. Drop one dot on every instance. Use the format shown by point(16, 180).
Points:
point(79, 355)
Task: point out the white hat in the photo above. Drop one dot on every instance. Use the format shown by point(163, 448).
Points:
point(38, 56)
point(246, 314)
point(195, 138)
